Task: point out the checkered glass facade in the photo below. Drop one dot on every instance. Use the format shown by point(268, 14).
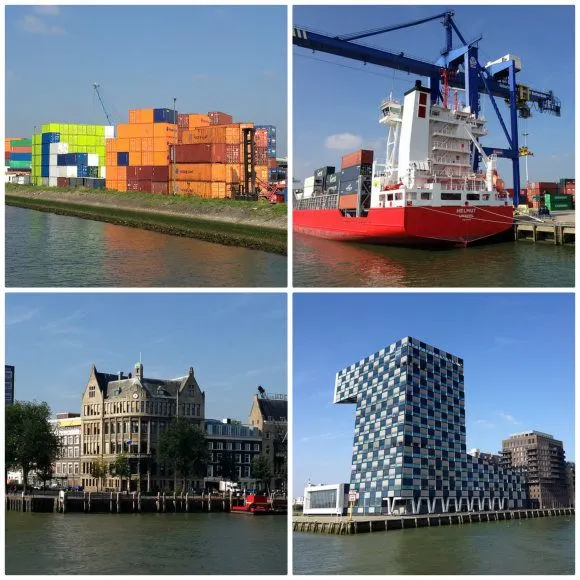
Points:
point(409, 439)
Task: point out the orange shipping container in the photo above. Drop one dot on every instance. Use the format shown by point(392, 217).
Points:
point(135, 145)
point(161, 144)
point(197, 120)
point(147, 144)
point(168, 130)
point(348, 201)
point(233, 134)
point(200, 172)
point(234, 172)
point(141, 116)
point(122, 174)
point(123, 145)
point(135, 158)
point(110, 159)
point(110, 145)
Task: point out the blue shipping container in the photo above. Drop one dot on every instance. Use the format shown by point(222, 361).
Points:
point(164, 116)
point(332, 179)
point(123, 159)
point(45, 149)
point(82, 171)
point(20, 156)
point(51, 138)
point(44, 171)
point(353, 172)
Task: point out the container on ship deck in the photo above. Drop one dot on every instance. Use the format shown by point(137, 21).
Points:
point(332, 179)
point(354, 171)
point(348, 187)
point(348, 201)
point(201, 153)
point(362, 157)
point(322, 172)
point(309, 181)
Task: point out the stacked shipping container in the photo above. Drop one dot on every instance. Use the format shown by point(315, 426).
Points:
point(138, 158)
point(354, 166)
point(18, 153)
point(73, 154)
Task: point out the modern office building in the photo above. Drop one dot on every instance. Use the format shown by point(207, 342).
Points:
point(540, 458)
point(127, 414)
point(269, 413)
point(8, 385)
point(409, 453)
point(241, 442)
point(66, 471)
point(331, 499)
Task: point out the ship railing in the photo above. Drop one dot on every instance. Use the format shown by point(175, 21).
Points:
point(325, 201)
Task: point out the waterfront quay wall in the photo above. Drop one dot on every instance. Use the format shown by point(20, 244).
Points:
point(362, 524)
point(118, 503)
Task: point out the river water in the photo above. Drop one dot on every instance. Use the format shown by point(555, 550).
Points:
point(145, 544)
point(48, 250)
point(538, 546)
point(324, 263)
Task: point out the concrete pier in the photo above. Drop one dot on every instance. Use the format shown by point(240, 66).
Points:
point(366, 524)
point(559, 230)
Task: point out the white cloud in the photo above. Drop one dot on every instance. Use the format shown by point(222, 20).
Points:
point(20, 317)
point(485, 423)
point(63, 326)
point(47, 10)
point(510, 418)
point(343, 141)
point(35, 25)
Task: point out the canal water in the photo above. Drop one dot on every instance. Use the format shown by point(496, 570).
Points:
point(145, 544)
point(324, 263)
point(538, 546)
point(44, 249)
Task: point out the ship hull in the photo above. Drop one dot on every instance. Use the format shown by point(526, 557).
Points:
point(419, 226)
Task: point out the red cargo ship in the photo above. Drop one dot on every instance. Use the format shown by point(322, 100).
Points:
point(425, 193)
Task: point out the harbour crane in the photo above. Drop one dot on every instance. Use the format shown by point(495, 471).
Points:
point(459, 68)
point(96, 87)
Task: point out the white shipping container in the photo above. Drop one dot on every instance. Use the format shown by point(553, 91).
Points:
point(52, 182)
point(109, 132)
point(23, 179)
point(53, 171)
point(58, 148)
point(309, 182)
point(70, 171)
point(308, 192)
point(103, 172)
point(52, 160)
point(93, 160)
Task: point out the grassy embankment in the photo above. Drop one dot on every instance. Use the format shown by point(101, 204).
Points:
point(254, 225)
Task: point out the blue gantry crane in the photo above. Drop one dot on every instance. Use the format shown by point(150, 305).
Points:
point(458, 68)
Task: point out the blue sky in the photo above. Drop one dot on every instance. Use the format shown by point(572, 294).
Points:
point(518, 352)
point(234, 342)
point(211, 58)
point(342, 99)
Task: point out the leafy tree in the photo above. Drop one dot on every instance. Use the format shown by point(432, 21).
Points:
point(183, 446)
point(227, 467)
point(99, 469)
point(31, 442)
point(121, 468)
point(261, 469)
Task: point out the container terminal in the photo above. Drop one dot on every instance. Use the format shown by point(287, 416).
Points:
point(159, 151)
point(428, 188)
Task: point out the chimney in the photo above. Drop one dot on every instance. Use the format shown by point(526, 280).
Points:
point(121, 375)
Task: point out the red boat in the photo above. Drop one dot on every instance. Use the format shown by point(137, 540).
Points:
point(425, 193)
point(253, 504)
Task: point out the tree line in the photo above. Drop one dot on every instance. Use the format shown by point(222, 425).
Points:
point(32, 445)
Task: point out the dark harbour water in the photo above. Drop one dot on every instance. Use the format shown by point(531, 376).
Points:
point(538, 546)
point(324, 263)
point(145, 544)
point(48, 250)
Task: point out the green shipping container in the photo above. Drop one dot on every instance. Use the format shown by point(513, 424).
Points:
point(19, 164)
point(556, 202)
point(21, 143)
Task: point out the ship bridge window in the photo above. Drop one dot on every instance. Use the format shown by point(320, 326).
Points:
point(473, 196)
point(425, 195)
point(412, 195)
point(485, 197)
point(389, 197)
point(451, 196)
point(399, 196)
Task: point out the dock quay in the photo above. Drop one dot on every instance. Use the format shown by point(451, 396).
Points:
point(116, 502)
point(366, 524)
point(560, 230)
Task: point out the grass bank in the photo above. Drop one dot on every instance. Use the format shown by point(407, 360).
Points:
point(254, 225)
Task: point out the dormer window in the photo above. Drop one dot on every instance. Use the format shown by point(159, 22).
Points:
point(92, 391)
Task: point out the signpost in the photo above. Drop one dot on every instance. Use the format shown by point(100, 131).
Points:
point(352, 498)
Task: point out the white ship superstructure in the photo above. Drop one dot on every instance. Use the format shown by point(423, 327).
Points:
point(429, 157)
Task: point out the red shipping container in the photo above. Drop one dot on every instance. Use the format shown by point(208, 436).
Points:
point(357, 158)
point(261, 156)
point(272, 163)
point(183, 120)
point(21, 149)
point(233, 154)
point(159, 187)
point(137, 172)
point(219, 118)
point(62, 182)
point(201, 153)
point(348, 201)
point(160, 173)
point(261, 137)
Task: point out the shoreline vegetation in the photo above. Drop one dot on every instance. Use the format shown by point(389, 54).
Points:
point(253, 225)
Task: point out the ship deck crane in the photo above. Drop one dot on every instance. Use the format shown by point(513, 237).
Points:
point(463, 71)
